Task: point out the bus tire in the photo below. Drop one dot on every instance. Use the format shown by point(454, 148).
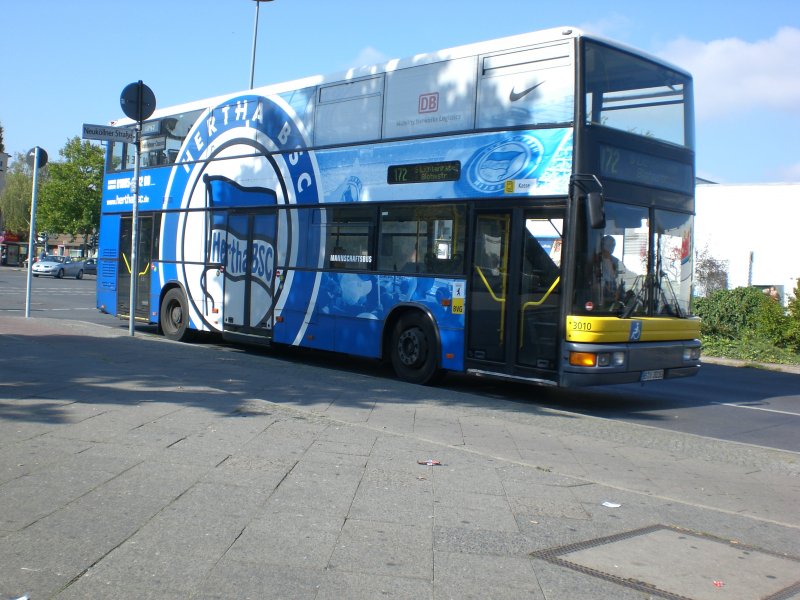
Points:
point(414, 349)
point(174, 316)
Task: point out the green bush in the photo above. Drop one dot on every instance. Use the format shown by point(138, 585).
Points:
point(743, 313)
point(793, 332)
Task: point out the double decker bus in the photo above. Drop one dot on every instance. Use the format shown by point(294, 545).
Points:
point(518, 208)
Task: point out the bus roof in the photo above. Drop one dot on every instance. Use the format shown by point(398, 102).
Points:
point(353, 74)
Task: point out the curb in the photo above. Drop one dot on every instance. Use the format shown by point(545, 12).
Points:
point(734, 362)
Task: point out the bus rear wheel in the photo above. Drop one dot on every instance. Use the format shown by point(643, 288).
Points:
point(414, 349)
point(174, 316)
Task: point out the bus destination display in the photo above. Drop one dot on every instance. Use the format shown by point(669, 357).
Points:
point(425, 172)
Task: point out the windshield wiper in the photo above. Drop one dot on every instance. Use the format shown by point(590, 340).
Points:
point(635, 297)
point(672, 306)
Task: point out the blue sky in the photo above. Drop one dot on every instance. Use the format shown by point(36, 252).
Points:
point(65, 63)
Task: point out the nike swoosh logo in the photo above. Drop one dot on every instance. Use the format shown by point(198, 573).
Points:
point(514, 96)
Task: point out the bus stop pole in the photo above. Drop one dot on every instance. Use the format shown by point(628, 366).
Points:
point(135, 228)
point(32, 230)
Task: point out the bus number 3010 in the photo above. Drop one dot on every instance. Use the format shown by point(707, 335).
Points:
point(581, 326)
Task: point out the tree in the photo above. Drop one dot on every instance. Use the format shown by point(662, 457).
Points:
point(711, 274)
point(2, 143)
point(69, 199)
point(15, 201)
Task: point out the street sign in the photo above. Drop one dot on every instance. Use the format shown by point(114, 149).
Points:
point(40, 159)
point(137, 101)
point(109, 134)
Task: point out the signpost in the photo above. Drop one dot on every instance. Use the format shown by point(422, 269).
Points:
point(37, 158)
point(138, 102)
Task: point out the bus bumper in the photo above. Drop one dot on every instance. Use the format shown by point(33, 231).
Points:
point(602, 364)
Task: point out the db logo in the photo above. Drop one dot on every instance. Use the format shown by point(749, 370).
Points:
point(429, 103)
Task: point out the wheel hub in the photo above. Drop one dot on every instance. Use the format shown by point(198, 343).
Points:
point(409, 347)
point(176, 314)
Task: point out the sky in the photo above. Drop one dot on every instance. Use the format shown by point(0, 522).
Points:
point(66, 63)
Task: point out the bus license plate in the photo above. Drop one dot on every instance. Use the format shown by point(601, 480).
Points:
point(653, 375)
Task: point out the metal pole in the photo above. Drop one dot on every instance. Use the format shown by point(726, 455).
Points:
point(255, 37)
point(135, 223)
point(31, 233)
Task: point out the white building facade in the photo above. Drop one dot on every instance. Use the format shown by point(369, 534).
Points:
point(755, 228)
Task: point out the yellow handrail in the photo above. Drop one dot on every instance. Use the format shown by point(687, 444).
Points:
point(501, 301)
point(534, 303)
point(488, 287)
point(127, 264)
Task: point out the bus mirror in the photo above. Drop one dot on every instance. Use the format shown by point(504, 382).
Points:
point(597, 213)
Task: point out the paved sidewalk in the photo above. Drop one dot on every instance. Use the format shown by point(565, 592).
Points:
point(139, 468)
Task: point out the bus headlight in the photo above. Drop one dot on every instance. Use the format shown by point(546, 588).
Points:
point(597, 359)
point(690, 354)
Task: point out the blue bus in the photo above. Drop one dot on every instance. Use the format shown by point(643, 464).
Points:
point(519, 208)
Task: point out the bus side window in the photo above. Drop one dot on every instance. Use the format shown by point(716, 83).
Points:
point(349, 239)
point(426, 239)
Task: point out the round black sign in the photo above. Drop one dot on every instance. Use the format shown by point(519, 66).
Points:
point(31, 156)
point(137, 101)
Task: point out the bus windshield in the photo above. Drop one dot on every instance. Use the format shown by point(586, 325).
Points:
point(634, 95)
point(640, 264)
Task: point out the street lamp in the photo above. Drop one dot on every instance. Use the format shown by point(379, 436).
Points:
point(255, 37)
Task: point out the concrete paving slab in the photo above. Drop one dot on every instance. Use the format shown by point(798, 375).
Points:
point(291, 538)
point(382, 548)
point(460, 575)
point(336, 585)
point(232, 579)
point(479, 541)
point(470, 510)
point(29, 498)
point(408, 503)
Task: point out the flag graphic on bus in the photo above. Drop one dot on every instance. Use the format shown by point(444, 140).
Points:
point(244, 245)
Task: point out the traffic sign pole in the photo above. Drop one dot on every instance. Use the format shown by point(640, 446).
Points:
point(138, 103)
point(135, 228)
point(39, 159)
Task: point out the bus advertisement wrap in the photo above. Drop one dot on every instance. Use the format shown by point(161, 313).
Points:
point(453, 211)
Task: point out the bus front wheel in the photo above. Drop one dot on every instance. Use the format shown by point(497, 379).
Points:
point(414, 349)
point(174, 316)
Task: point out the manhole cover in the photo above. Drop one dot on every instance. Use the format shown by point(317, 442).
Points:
point(676, 563)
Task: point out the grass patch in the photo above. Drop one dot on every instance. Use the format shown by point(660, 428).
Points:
point(749, 348)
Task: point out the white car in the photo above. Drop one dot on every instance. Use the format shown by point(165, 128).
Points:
point(58, 267)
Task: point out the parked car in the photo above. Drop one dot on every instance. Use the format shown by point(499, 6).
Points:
point(58, 267)
point(90, 266)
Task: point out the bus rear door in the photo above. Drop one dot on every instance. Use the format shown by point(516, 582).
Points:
point(146, 246)
point(250, 273)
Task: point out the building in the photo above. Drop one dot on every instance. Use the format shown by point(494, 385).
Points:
point(754, 228)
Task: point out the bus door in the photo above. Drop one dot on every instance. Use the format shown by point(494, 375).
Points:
point(514, 289)
point(539, 289)
point(146, 247)
point(249, 272)
point(487, 333)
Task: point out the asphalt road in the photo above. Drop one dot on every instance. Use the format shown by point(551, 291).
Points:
point(745, 405)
